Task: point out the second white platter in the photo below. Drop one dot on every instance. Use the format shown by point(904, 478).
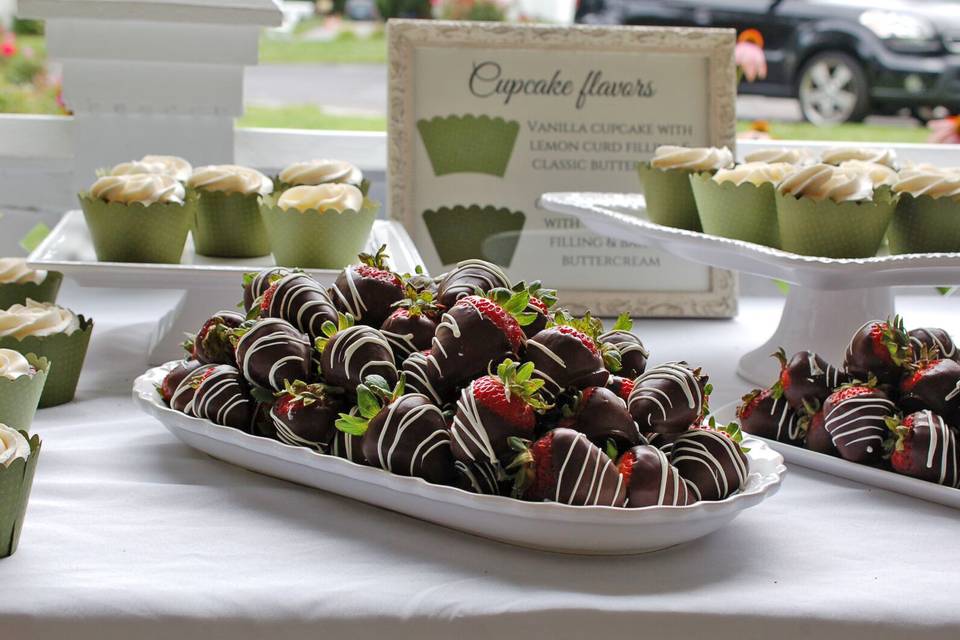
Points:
point(841, 468)
point(548, 525)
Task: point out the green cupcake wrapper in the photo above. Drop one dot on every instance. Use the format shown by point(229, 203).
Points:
point(228, 225)
point(13, 293)
point(922, 224)
point(154, 233)
point(669, 197)
point(16, 481)
point(279, 187)
point(66, 353)
point(20, 397)
point(317, 240)
point(743, 212)
point(464, 232)
point(469, 143)
point(833, 229)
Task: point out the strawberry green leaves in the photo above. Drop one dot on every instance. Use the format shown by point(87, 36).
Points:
point(344, 321)
point(518, 381)
point(624, 323)
point(377, 260)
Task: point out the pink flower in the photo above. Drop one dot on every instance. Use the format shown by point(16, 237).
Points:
point(750, 60)
point(8, 48)
point(945, 131)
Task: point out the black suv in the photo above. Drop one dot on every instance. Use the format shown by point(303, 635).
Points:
point(842, 59)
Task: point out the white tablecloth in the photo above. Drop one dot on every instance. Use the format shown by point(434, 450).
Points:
point(131, 534)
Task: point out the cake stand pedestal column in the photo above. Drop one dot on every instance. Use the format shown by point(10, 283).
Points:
point(819, 321)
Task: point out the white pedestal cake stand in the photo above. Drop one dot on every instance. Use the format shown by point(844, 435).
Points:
point(208, 284)
point(828, 298)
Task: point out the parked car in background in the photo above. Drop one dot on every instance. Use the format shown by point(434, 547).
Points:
point(842, 59)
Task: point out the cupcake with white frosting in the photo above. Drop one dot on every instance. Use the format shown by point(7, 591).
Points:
point(18, 462)
point(666, 182)
point(173, 166)
point(21, 383)
point(321, 226)
point(322, 171)
point(137, 217)
point(823, 210)
point(228, 223)
point(927, 218)
point(739, 202)
point(19, 282)
point(52, 332)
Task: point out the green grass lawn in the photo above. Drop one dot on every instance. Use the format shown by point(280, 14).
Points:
point(308, 117)
point(844, 132)
point(346, 48)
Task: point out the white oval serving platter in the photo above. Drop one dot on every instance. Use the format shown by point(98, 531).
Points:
point(880, 478)
point(546, 526)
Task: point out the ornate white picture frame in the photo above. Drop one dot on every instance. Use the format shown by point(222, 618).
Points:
point(420, 87)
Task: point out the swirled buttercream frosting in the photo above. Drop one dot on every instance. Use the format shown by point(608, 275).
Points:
point(230, 178)
point(37, 319)
point(13, 365)
point(837, 155)
point(322, 197)
point(790, 156)
point(692, 159)
point(754, 173)
point(928, 183)
point(12, 446)
point(826, 182)
point(16, 271)
point(314, 172)
point(173, 166)
point(879, 174)
point(145, 188)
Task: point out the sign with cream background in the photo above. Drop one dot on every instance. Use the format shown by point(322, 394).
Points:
point(484, 118)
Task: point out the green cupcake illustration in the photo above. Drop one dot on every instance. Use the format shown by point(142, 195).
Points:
point(464, 232)
point(469, 144)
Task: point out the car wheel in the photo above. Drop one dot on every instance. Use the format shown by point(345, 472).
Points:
point(833, 89)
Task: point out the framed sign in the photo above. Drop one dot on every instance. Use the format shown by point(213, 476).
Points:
point(485, 117)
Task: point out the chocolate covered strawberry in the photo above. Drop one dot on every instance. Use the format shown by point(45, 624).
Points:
point(568, 355)
point(420, 378)
point(182, 397)
point(855, 416)
point(470, 277)
point(651, 480)
point(348, 446)
point(563, 466)
point(633, 355)
point(255, 284)
point(879, 349)
point(806, 379)
point(482, 478)
point(349, 353)
point(175, 376)
point(304, 415)
point(711, 460)
point(620, 386)
point(540, 303)
point(925, 447)
point(670, 398)
point(301, 301)
point(404, 434)
point(602, 416)
point(368, 291)
point(412, 324)
point(272, 352)
point(212, 344)
point(764, 413)
point(476, 333)
point(934, 385)
point(817, 438)
point(933, 339)
point(494, 408)
point(223, 397)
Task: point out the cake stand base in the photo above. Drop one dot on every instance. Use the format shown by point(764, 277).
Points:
point(820, 321)
point(193, 309)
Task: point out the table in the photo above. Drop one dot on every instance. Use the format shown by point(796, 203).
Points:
point(131, 534)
